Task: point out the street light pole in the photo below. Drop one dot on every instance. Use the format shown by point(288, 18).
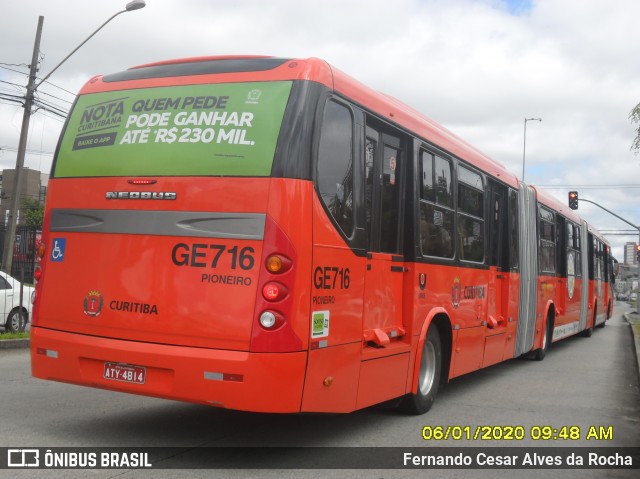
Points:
point(134, 5)
point(524, 147)
point(32, 86)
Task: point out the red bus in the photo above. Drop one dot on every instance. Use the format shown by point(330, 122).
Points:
point(269, 234)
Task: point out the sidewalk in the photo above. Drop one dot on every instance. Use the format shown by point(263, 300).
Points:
point(14, 343)
point(633, 318)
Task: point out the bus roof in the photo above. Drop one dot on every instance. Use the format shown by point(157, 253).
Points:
point(222, 69)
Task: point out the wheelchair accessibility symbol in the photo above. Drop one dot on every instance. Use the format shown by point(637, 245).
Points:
point(58, 250)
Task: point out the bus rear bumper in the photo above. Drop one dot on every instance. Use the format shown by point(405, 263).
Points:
point(261, 382)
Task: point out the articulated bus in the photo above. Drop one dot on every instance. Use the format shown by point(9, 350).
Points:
point(268, 234)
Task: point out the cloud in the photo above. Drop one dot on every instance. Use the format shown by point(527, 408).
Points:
point(477, 66)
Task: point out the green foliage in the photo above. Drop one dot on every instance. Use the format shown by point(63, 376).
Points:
point(32, 213)
point(634, 116)
point(5, 335)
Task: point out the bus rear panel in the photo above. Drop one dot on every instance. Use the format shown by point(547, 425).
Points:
point(162, 226)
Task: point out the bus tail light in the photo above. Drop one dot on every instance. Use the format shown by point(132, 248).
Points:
point(142, 181)
point(37, 274)
point(41, 250)
point(274, 291)
point(278, 264)
point(274, 331)
point(271, 320)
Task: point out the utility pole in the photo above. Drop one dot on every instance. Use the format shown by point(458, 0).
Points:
point(7, 259)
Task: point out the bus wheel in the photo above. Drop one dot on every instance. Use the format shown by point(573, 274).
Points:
point(606, 317)
point(588, 332)
point(428, 376)
point(539, 354)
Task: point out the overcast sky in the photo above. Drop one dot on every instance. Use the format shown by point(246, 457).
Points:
point(479, 67)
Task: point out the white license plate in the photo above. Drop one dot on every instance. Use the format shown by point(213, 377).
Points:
point(127, 373)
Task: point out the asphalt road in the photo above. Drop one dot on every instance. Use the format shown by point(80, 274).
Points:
point(582, 382)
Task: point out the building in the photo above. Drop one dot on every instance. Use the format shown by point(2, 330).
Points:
point(34, 186)
point(630, 256)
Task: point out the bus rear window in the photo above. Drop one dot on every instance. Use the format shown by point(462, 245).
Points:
point(227, 129)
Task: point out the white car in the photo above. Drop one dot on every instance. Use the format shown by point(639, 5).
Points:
point(10, 302)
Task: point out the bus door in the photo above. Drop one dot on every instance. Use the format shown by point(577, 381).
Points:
point(386, 349)
point(498, 291)
point(384, 162)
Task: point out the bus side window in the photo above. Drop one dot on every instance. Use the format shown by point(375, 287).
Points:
point(436, 207)
point(335, 165)
point(514, 233)
point(470, 215)
point(547, 240)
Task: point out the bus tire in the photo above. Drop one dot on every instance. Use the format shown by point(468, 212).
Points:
point(606, 317)
point(428, 375)
point(539, 354)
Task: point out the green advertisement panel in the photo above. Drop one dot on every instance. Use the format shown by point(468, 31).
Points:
point(196, 130)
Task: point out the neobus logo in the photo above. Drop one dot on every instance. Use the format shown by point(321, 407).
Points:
point(141, 195)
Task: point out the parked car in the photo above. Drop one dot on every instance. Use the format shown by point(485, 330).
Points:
point(10, 302)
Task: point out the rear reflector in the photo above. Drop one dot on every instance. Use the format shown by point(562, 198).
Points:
point(211, 376)
point(319, 344)
point(47, 352)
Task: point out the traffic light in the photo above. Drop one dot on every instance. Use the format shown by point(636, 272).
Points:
point(573, 200)
point(638, 253)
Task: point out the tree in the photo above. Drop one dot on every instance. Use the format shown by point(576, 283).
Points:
point(634, 116)
point(32, 213)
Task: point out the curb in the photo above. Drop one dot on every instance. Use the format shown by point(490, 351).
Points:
point(15, 343)
point(636, 337)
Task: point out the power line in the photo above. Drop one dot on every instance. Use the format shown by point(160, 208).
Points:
point(15, 64)
point(60, 88)
point(59, 118)
point(12, 70)
point(9, 102)
point(50, 110)
point(11, 98)
point(53, 96)
point(12, 84)
point(46, 81)
point(53, 108)
point(589, 187)
point(29, 150)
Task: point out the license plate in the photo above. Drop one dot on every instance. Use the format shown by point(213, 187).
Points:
point(127, 373)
